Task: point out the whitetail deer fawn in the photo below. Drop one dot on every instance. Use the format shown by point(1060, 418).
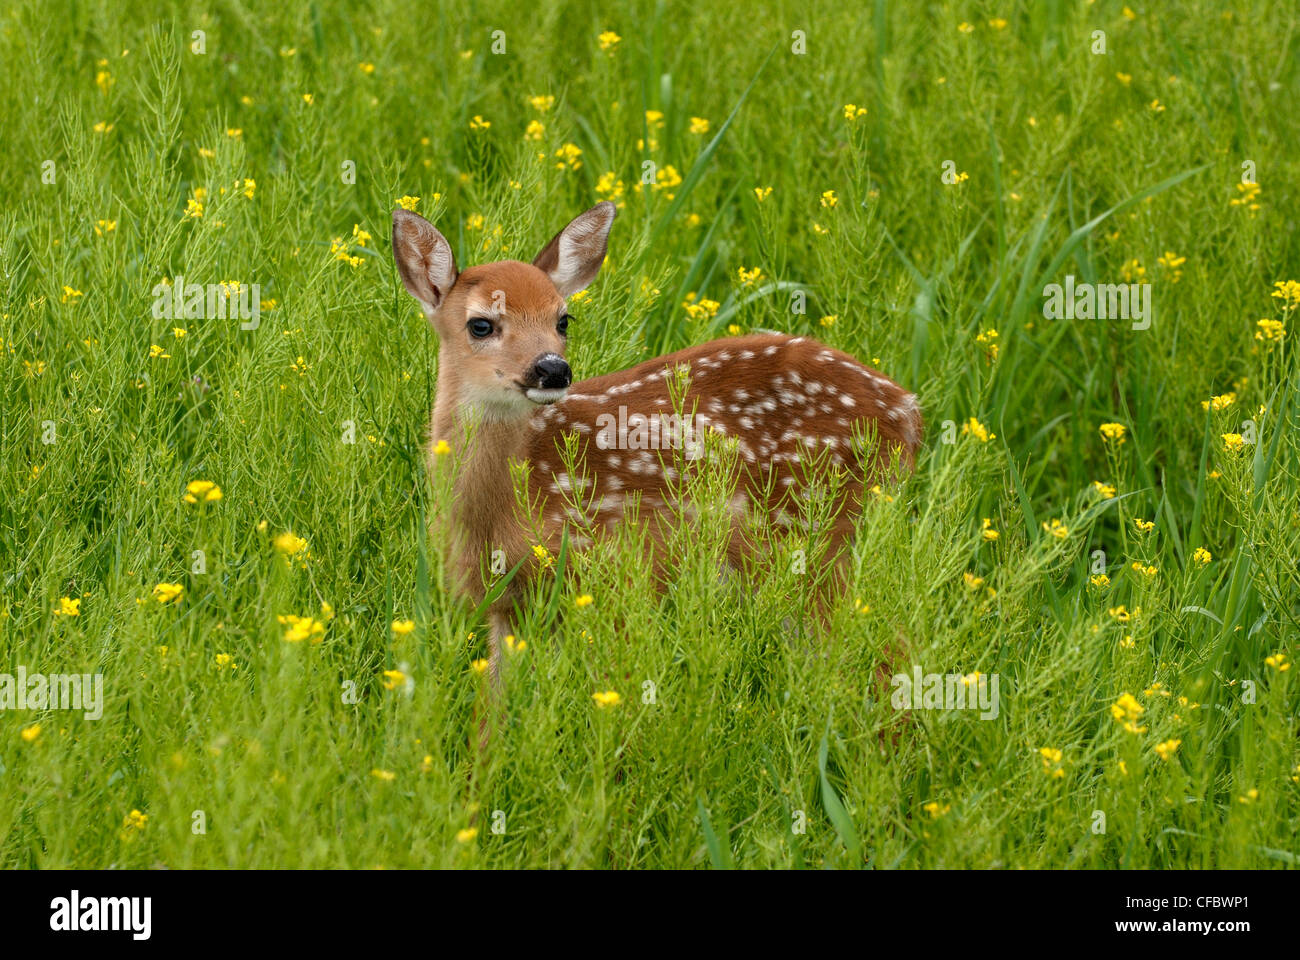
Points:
point(502, 329)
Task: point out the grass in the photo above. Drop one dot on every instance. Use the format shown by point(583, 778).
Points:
point(737, 741)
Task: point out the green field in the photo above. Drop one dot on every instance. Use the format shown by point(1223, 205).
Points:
point(932, 168)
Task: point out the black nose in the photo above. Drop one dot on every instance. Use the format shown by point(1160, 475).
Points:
point(552, 372)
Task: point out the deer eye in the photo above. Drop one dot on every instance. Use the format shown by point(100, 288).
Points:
point(480, 328)
point(562, 326)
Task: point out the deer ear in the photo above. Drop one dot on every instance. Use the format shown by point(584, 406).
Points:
point(573, 257)
point(424, 259)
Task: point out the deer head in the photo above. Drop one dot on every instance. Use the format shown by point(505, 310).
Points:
point(502, 327)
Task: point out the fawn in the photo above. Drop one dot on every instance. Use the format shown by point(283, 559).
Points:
point(502, 330)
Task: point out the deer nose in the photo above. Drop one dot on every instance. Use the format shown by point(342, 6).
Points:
point(552, 372)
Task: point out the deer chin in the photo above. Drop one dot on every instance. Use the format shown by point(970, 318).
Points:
point(544, 397)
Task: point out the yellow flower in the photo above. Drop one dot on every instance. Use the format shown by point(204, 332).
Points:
point(1170, 260)
point(1168, 748)
point(1233, 442)
point(1249, 198)
point(168, 592)
point(407, 202)
point(289, 543)
point(1124, 78)
point(1106, 490)
point(104, 226)
point(852, 111)
point(403, 627)
point(543, 556)
point(829, 199)
point(1126, 710)
point(68, 607)
point(997, 23)
point(1144, 526)
point(135, 820)
point(965, 27)
point(1051, 762)
point(387, 776)
point(30, 733)
point(466, 835)
point(1278, 662)
point(179, 332)
point(479, 666)
point(699, 126)
point(1147, 572)
point(1221, 402)
point(747, 277)
point(667, 179)
point(1250, 796)
point(1113, 432)
point(977, 430)
point(704, 309)
point(535, 130)
point(609, 41)
point(301, 628)
point(935, 809)
point(250, 186)
point(365, 67)
point(609, 186)
point(158, 353)
point(1056, 529)
point(986, 530)
point(1099, 580)
point(224, 660)
point(541, 103)
point(1202, 556)
point(762, 193)
point(568, 156)
point(201, 490)
point(71, 295)
point(308, 98)
point(478, 123)
point(1120, 613)
point(583, 601)
point(441, 448)
point(234, 133)
point(515, 646)
point(972, 582)
point(103, 127)
point(1270, 330)
point(104, 80)
point(1287, 291)
point(609, 698)
point(393, 679)
point(1156, 106)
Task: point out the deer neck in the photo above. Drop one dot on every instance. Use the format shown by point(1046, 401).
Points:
point(482, 447)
